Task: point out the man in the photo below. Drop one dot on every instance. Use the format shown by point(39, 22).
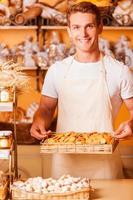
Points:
point(88, 89)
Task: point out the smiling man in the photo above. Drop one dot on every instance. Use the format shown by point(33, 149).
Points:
point(84, 31)
point(88, 88)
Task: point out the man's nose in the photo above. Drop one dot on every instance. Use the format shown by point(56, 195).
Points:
point(83, 31)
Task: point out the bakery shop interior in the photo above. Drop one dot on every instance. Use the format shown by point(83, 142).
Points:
point(66, 99)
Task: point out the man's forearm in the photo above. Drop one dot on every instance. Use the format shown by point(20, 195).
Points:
point(45, 116)
point(130, 122)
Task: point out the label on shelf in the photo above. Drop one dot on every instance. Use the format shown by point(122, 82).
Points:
point(4, 153)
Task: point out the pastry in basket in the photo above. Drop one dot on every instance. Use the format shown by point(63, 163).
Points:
point(70, 137)
point(80, 138)
point(99, 138)
point(96, 138)
point(108, 138)
point(66, 187)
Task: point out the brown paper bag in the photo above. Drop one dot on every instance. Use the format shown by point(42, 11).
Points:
point(60, 5)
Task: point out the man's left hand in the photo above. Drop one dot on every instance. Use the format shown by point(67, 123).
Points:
point(124, 131)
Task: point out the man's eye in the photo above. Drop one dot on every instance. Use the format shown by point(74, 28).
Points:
point(91, 26)
point(75, 27)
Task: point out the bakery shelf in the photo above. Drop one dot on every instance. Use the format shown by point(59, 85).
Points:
point(18, 27)
point(104, 28)
point(6, 106)
point(11, 153)
point(54, 27)
point(118, 28)
point(51, 27)
point(5, 153)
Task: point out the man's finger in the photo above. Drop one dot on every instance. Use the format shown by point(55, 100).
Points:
point(123, 134)
point(43, 131)
point(119, 130)
point(37, 134)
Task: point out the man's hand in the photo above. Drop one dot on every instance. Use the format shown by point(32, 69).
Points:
point(38, 131)
point(43, 118)
point(124, 131)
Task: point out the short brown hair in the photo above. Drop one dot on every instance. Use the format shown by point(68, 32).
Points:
point(84, 7)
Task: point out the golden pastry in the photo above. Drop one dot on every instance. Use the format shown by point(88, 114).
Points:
point(80, 138)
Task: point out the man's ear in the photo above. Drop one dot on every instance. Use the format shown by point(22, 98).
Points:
point(100, 27)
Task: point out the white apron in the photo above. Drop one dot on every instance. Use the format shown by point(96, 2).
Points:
point(85, 106)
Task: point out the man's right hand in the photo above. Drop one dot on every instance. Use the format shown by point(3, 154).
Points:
point(43, 117)
point(38, 131)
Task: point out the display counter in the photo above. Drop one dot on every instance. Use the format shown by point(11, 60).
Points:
point(120, 189)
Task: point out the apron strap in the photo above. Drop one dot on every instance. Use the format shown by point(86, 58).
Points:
point(103, 71)
point(69, 64)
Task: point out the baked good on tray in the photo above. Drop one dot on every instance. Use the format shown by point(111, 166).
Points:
point(80, 138)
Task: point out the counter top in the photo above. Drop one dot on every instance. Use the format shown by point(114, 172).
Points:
point(120, 189)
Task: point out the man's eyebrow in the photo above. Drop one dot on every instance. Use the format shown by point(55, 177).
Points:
point(91, 23)
point(76, 25)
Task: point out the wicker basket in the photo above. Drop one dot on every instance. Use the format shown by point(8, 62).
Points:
point(83, 194)
point(3, 191)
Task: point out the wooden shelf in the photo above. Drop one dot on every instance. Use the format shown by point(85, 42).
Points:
point(51, 27)
point(118, 28)
point(104, 28)
point(54, 27)
point(18, 27)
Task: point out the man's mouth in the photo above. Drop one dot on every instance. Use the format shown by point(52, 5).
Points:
point(84, 40)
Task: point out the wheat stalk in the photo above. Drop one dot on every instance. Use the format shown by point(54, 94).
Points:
point(11, 75)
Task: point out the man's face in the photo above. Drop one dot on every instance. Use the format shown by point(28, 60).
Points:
point(84, 31)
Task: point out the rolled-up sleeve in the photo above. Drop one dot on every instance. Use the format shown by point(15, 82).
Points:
point(49, 85)
point(126, 83)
